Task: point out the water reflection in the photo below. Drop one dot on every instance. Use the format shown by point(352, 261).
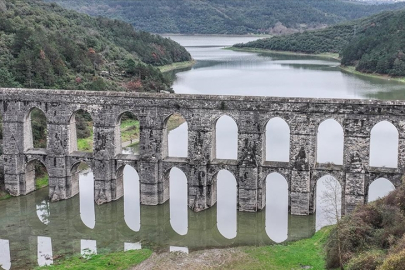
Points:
point(132, 246)
point(45, 256)
point(43, 211)
point(226, 204)
point(226, 138)
point(88, 247)
point(86, 187)
point(66, 229)
point(379, 188)
point(330, 142)
point(5, 259)
point(276, 207)
point(178, 201)
point(384, 145)
point(328, 201)
point(277, 140)
point(179, 249)
point(132, 205)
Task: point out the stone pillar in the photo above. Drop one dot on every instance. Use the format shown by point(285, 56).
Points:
point(302, 158)
point(13, 148)
point(250, 150)
point(356, 161)
point(201, 190)
point(154, 189)
point(105, 189)
point(57, 150)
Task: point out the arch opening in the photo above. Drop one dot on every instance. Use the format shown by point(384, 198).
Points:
point(384, 145)
point(328, 196)
point(83, 183)
point(227, 200)
point(277, 140)
point(226, 138)
point(178, 201)
point(330, 141)
point(131, 191)
point(277, 207)
point(35, 130)
point(36, 176)
point(175, 134)
point(81, 132)
point(127, 134)
point(379, 188)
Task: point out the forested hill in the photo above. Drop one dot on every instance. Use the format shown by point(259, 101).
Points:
point(45, 46)
point(373, 45)
point(227, 16)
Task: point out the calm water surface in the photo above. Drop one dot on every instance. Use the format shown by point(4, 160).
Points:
point(33, 231)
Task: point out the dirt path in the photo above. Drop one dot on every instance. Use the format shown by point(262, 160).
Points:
point(199, 260)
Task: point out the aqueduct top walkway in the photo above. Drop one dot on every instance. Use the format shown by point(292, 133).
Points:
point(303, 115)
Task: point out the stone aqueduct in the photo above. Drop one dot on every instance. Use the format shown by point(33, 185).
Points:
point(303, 115)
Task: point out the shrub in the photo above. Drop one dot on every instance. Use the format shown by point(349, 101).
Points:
point(394, 262)
point(369, 260)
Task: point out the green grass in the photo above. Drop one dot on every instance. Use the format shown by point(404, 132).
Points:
point(115, 260)
point(130, 131)
point(306, 252)
point(4, 195)
point(178, 65)
point(42, 181)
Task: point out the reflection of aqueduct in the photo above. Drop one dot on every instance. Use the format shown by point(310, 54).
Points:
point(303, 115)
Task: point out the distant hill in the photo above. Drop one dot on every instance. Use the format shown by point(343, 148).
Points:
point(373, 45)
point(45, 46)
point(227, 16)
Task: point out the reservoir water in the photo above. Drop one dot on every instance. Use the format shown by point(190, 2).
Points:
point(33, 231)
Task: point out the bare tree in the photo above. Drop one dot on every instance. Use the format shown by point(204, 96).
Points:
point(331, 199)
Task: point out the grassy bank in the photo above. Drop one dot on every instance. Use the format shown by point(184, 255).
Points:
point(116, 260)
point(178, 65)
point(4, 195)
point(334, 56)
point(303, 254)
point(351, 69)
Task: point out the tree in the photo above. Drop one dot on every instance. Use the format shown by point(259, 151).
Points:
point(331, 199)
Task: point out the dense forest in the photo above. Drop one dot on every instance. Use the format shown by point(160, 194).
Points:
point(373, 45)
point(45, 46)
point(227, 16)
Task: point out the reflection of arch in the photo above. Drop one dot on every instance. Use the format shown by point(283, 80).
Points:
point(73, 129)
point(166, 130)
point(277, 202)
point(117, 131)
point(330, 140)
point(227, 201)
point(28, 135)
point(384, 138)
point(273, 142)
point(379, 187)
point(230, 140)
point(30, 174)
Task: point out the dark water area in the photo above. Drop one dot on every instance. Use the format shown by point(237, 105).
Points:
point(34, 231)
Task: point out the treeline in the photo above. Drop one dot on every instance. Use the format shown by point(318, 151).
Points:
point(45, 46)
point(373, 45)
point(227, 16)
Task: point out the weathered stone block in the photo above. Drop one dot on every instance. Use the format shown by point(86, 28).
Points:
point(299, 203)
point(300, 181)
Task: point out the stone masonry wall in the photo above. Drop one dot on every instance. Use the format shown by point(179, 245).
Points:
point(251, 114)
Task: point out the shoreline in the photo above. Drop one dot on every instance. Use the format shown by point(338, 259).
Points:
point(352, 70)
point(333, 56)
point(177, 65)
